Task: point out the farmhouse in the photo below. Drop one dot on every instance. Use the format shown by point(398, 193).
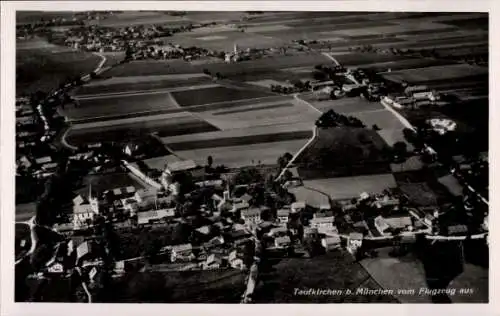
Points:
point(184, 251)
point(331, 243)
point(282, 242)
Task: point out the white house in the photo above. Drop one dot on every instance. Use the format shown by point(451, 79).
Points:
point(84, 211)
point(354, 242)
point(235, 261)
point(323, 224)
point(331, 242)
point(381, 225)
point(184, 251)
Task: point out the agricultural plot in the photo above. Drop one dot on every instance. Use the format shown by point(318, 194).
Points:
point(124, 19)
point(435, 73)
point(338, 152)
point(412, 63)
point(162, 125)
point(225, 41)
point(139, 84)
point(344, 105)
point(358, 59)
point(152, 68)
point(256, 152)
point(477, 23)
point(241, 140)
point(350, 187)
point(239, 132)
point(214, 95)
point(262, 114)
point(115, 105)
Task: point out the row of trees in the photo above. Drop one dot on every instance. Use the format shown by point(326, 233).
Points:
point(334, 119)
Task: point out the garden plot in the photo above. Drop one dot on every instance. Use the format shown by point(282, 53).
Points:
point(436, 73)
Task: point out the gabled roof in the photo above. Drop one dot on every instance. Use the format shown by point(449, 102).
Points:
point(78, 200)
point(182, 248)
point(321, 220)
point(283, 239)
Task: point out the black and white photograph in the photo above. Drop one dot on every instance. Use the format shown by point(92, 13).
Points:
point(250, 157)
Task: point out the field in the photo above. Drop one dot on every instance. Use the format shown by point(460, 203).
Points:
point(256, 152)
point(350, 187)
point(436, 73)
point(213, 95)
point(53, 66)
point(162, 125)
point(102, 107)
point(336, 270)
point(406, 273)
point(338, 152)
point(138, 83)
point(110, 181)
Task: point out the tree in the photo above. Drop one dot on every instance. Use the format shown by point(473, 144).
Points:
point(210, 161)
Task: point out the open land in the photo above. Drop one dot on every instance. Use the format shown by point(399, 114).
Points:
point(54, 66)
point(335, 270)
point(342, 188)
point(343, 152)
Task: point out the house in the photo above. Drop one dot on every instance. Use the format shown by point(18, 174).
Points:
point(354, 242)
point(142, 195)
point(204, 230)
point(83, 211)
point(310, 231)
point(282, 242)
point(283, 215)
point(184, 251)
point(155, 215)
point(298, 206)
point(331, 243)
point(49, 167)
point(251, 216)
point(381, 225)
point(119, 267)
point(386, 202)
point(323, 213)
point(323, 224)
point(213, 262)
point(457, 230)
point(235, 261)
point(43, 160)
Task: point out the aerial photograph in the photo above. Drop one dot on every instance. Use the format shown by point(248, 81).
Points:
point(251, 157)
